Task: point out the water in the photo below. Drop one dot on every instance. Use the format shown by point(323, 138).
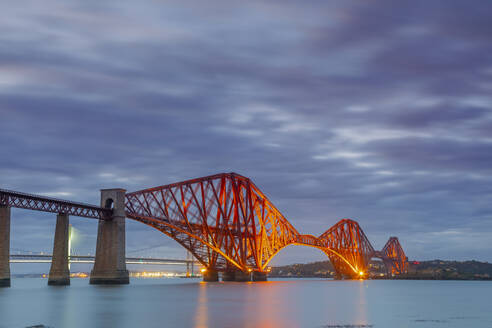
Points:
point(287, 303)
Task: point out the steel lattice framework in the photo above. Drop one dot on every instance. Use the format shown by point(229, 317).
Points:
point(227, 223)
point(47, 204)
point(224, 220)
point(348, 240)
point(394, 256)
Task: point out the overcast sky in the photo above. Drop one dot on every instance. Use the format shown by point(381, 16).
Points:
point(378, 111)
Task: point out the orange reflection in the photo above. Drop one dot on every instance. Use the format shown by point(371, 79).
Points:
point(201, 313)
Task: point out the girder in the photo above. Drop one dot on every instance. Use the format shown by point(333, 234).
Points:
point(347, 239)
point(394, 257)
point(47, 204)
point(226, 222)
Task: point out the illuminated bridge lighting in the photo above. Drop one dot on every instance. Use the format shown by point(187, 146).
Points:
point(225, 221)
point(43, 258)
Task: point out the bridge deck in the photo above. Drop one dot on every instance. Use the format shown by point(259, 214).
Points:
point(53, 205)
point(46, 258)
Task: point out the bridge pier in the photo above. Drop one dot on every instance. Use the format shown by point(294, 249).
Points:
point(4, 246)
point(260, 276)
point(229, 275)
point(242, 276)
point(59, 272)
point(210, 275)
point(109, 265)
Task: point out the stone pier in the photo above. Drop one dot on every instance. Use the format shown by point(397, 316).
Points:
point(59, 272)
point(210, 275)
point(260, 276)
point(110, 266)
point(242, 276)
point(4, 246)
point(229, 275)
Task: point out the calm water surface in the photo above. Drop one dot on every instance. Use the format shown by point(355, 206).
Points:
point(288, 303)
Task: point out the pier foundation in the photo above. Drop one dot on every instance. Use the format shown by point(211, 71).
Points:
point(110, 266)
point(210, 275)
point(260, 276)
point(4, 246)
point(59, 272)
point(242, 276)
point(229, 275)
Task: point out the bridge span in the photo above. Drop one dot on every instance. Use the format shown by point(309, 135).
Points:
point(223, 220)
point(48, 258)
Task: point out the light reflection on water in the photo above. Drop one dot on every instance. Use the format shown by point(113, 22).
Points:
point(201, 313)
point(289, 303)
point(361, 307)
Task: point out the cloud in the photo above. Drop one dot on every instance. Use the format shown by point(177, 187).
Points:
point(379, 112)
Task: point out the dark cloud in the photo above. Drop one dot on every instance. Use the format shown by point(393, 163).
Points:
point(378, 111)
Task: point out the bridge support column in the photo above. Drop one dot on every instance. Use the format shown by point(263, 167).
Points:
point(229, 275)
point(260, 276)
point(59, 272)
point(388, 265)
point(210, 275)
point(110, 266)
point(4, 246)
point(242, 276)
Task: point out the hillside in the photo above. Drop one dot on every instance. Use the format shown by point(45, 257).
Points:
point(435, 269)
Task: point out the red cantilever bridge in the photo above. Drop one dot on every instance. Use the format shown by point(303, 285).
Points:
point(228, 224)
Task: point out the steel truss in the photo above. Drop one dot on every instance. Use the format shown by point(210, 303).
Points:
point(227, 223)
point(394, 256)
point(47, 204)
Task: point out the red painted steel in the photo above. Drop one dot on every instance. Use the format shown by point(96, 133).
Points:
point(226, 222)
point(395, 256)
point(347, 239)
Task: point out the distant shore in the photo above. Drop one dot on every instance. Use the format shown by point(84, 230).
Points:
point(417, 270)
point(392, 278)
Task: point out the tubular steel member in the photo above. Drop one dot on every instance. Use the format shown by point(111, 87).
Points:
point(348, 248)
point(223, 220)
point(394, 257)
point(226, 222)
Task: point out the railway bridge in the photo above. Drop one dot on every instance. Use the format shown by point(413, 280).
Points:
point(224, 220)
